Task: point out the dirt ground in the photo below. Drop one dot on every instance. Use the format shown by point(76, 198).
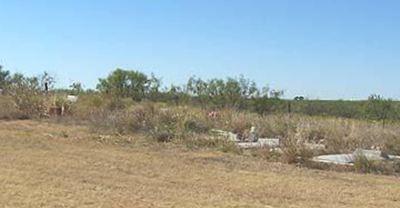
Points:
point(57, 165)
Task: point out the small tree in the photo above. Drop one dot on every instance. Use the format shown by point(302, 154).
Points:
point(46, 81)
point(177, 95)
point(198, 88)
point(27, 95)
point(76, 88)
point(4, 78)
point(153, 88)
point(128, 83)
point(378, 108)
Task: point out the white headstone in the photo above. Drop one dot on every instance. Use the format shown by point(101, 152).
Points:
point(72, 98)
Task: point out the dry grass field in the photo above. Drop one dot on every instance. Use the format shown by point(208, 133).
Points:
point(56, 165)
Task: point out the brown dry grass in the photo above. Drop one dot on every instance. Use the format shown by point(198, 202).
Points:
point(7, 108)
point(339, 135)
point(54, 165)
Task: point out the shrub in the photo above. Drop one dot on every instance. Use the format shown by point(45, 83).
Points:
point(294, 151)
point(162, 135)
point(27, 95)
point(392, 145)
point(140, 118)
point(8, 109)
point(196, 125)
point(363, 165)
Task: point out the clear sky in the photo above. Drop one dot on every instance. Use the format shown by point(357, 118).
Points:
point(326, 49)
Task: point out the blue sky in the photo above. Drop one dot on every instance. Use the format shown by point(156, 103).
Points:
point(326, 49)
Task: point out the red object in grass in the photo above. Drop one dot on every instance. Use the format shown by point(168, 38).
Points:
point(213, 114)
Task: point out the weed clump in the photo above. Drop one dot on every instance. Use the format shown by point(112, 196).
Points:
point(294, 153)
point(363, 165)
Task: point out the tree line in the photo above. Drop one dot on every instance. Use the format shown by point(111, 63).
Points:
point(239, 93)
